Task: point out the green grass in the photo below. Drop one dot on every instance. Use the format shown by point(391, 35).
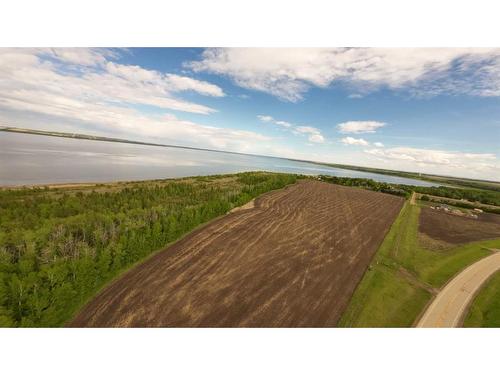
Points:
point(403, 274)
point(485, 309)
point(383, 299)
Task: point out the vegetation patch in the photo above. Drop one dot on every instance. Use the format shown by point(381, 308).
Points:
point(485, 309)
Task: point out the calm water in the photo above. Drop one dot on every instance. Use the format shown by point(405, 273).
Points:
point(32, 159)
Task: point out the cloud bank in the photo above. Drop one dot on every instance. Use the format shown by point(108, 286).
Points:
point(439, 161)
point(288, 73)
point(90, 88)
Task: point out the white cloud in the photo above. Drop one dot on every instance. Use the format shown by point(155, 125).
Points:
point(31, 73)
point(39, 89)
point(265, 118)
point(354, 141)
point(283, 123)
point(180, 83)
point(79, 56)
point(439, 161)
point(307, 129)
point(165, 82)
point(316, 138)
point(314, 134)
point(288, 73)
point(357, 127)
point(378, 144)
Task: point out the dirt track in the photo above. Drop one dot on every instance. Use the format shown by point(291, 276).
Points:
point(450, 305)
point(293, 260)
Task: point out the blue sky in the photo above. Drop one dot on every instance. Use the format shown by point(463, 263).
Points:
point(427, 110)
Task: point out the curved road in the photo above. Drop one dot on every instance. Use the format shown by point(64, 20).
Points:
point(450, 305)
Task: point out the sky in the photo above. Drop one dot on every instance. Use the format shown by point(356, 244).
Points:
point(433, 110)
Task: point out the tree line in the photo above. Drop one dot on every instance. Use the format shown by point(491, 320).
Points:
point(368, 184)
point(473, 195)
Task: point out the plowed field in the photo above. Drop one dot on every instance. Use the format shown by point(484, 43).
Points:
point(293, 260)
point(457, 229)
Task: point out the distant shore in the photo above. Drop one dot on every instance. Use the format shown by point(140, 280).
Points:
point(444, 180)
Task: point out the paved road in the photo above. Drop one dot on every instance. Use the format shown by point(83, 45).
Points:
point(450, 305)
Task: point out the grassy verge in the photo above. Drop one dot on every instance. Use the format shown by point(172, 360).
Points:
point(485, 309)
point(404, 276)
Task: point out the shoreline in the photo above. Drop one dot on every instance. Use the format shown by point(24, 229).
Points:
point(411, 175)
point(63, 185)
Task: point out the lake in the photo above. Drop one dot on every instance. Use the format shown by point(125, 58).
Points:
point(27, 159)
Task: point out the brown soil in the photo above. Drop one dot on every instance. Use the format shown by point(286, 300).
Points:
point(455, 229)
point(293, 260)
point(432, 244)
point(246, 206)
point(489, 218)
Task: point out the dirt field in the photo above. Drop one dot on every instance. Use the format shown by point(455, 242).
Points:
point(293, 260)
point(456, 229)
point(489, 218)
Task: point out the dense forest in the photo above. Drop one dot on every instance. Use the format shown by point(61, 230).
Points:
point(59, 246)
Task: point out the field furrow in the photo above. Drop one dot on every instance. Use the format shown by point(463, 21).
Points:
point(293, 260)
